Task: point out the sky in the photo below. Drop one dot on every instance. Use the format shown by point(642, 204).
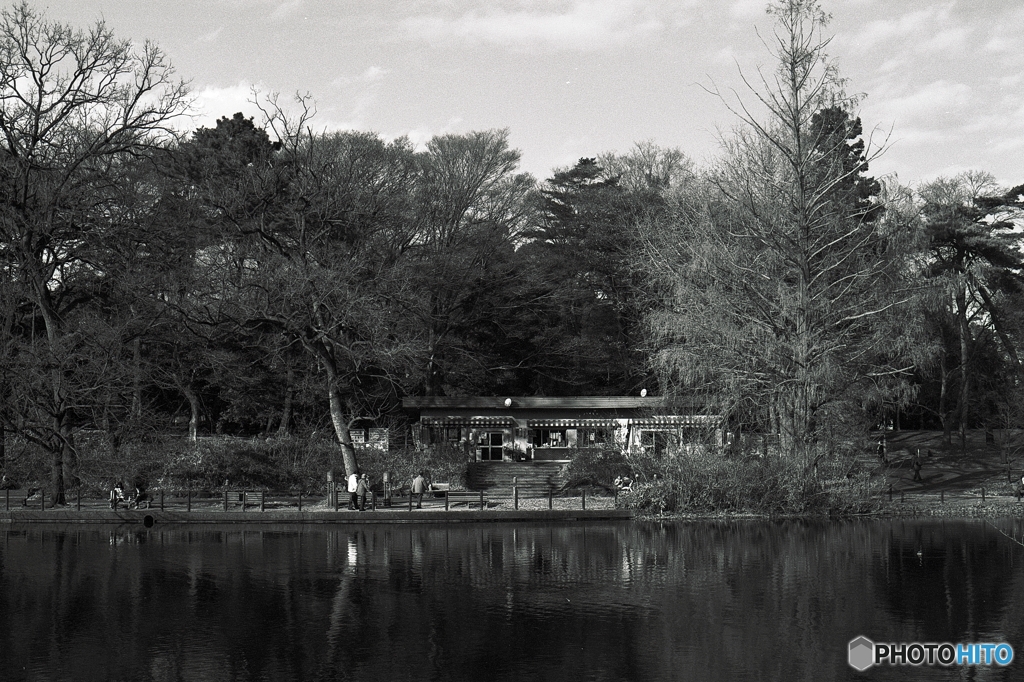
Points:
point(942, 83)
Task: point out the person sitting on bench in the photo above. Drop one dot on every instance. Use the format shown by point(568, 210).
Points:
point(117, 496)
point(33, 494)
point(139, 498)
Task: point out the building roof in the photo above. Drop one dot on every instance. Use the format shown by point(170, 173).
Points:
point(611, 402)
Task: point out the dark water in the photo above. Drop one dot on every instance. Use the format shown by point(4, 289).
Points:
point(616, 601)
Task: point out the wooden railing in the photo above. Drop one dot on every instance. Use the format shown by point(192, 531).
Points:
point(254, 500)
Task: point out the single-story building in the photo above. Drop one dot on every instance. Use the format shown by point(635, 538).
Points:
point(545, 428)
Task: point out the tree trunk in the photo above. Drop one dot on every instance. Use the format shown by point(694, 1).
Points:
point(338, 418)
point(58, 465)
point(136, 378)
point(964, 377)
point(59, 409)
point(947, 428)
point(289, 397)
point(69, 461)
point(194, 411)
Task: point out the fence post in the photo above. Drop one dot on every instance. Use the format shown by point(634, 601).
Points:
point(42, 500)
point(335, 498)
point(410, 500)
point(584, 499)
point(373, 501)
point(78, 499)
point(515, 491)
point(243, 501)
point(189, 500)
point(481, 501)
point(263, 500)
point(7, 505)
point(983, 495)
point(942, 496)
point(549, 500)
point(300, 501)
point(161, 500)
point(225, 500)
point(446, 501)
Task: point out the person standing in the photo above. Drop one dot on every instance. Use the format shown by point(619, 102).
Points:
point(419, 486)
point(353, 487)
point(362, 488)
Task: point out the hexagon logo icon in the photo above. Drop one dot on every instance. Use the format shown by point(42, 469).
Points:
point(862, 653)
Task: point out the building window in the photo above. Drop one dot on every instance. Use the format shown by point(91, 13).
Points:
point(489, 446)
point(658, 441)
point(549, 438)
point(590, 438)
point(445, 434)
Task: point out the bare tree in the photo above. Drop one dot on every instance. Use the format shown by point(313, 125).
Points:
point(307, 233)
point(471, 206)
point(781, 275)
point(74, 107)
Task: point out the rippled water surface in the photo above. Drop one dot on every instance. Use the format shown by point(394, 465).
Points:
point(616, 601)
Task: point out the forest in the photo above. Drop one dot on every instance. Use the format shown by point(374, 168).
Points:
point(264, 278)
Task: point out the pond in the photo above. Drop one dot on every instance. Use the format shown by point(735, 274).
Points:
point(748, 600)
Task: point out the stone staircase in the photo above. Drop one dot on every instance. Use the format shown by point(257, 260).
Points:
point(534, 479)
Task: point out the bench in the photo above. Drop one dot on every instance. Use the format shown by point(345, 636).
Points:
point(138, 499)
point(246, 498)
point(252, 498)
point(143, 501)
point(467, 496)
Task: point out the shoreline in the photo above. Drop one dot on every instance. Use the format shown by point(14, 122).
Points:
point(156, 517)
point(953, 507)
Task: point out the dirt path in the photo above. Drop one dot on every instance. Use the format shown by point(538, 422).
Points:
point(953, 480)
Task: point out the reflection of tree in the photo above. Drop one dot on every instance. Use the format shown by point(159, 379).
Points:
point(950, 590)
point(478, 601)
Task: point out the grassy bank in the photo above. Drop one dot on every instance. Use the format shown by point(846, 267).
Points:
point(697, 483)
point(173, 464)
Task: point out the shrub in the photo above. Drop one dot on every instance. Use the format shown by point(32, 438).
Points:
point(704, 480)
point(595, 466)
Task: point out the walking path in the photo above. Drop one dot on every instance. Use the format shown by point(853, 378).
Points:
point(980, 479)
point(285, 510)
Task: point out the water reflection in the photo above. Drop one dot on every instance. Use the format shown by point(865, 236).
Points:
point(618, 601)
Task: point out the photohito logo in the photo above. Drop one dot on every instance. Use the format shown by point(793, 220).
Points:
point(864, 653)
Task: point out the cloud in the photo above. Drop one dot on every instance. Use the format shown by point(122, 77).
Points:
point(881, 31)
point(261, 8)
point(210, 37)
point(926, 102)
point(420, 135)
point(747, 9)
point(361, 93)
point(584, 24)
point(1000, 44)
point(212, 103)
point(372, 74)
point(284, 9)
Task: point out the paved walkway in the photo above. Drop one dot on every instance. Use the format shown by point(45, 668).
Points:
point(285, 510)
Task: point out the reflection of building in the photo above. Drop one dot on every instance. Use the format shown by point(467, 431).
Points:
point(542, 428)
